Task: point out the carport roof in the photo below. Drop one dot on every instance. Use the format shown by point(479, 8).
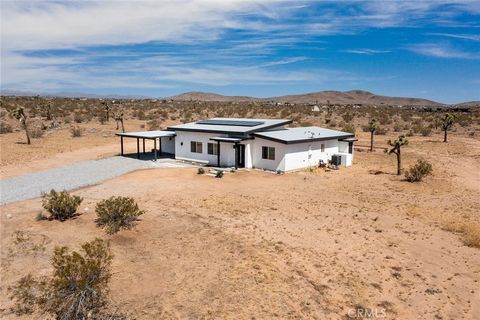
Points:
point(302, 134)
point(147, 134)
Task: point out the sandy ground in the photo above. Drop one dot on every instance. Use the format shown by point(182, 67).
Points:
point(58, 148)
point(300, 245)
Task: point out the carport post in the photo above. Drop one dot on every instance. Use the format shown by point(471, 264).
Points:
point(138, 148)
point(155, 149)
point(160, 145)
point(121, 144)
point(218, 154)
point(143, 145)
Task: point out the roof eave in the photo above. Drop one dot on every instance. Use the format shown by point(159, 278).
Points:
point(302, 140)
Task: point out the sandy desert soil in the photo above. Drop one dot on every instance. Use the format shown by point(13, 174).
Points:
point(310, 245)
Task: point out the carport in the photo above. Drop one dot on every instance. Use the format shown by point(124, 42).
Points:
point(146, 135)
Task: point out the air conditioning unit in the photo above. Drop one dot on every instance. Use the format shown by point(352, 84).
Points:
point(336, 159)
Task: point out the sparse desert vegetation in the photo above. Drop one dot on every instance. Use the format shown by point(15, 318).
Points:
point(316, 243)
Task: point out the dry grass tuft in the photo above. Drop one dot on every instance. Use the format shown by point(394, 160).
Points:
point(470, 231)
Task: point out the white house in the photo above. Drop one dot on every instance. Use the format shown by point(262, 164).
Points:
point(252, 143)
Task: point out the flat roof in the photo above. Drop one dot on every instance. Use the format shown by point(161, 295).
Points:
point(147, 134)
point(303, 134)
point(227, 125)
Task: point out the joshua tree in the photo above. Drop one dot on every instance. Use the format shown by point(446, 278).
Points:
point(373, 125)
point(119, 118)
point(47, 109)
point(106, 107)
point(396, 145)
point(446, 122)
point(20, 115)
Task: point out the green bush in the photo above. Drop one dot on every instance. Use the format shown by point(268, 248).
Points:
point(117, 213)
point(77, 289)
point(219, 174)
point(60, 205)
point(416, 172)
point(201, 171)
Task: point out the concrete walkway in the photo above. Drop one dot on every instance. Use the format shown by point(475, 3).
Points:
point(73, 176)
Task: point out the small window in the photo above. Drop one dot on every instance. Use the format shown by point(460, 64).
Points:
point(268, 153)
point(212, 148)
point(322, 147)
point(196, 147)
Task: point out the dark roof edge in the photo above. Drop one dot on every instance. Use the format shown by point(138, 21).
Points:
point(303, 140)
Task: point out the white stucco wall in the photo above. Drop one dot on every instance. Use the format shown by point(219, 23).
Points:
point(302, 155)
point(168, 145)
point(288, 157)
point(274, 165)
point(227, 153)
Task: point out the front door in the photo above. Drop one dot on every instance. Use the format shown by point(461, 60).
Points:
point(240, 156)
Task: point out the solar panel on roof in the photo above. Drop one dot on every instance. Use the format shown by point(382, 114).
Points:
point(240, 123)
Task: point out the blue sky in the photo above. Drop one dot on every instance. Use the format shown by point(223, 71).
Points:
point(427, 49)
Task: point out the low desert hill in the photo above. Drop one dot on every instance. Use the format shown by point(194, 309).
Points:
point(322, 97)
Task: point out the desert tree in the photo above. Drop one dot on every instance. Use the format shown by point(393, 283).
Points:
point(106, 108)
point(118, 116)
point(373, 125)
point(47, 110)
point(20, 114)
point(396, 149)
point(446, 122)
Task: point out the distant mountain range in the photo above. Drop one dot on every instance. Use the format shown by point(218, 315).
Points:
point(320, 97)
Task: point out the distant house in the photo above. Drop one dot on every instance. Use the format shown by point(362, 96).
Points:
point(315, 108)
point(253, 143)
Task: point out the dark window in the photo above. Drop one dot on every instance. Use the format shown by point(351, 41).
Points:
point(268, 153)
point(196, 147)
point(322, 147)
point(212, 148)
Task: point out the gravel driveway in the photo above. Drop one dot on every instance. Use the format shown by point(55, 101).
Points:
point(73, 176)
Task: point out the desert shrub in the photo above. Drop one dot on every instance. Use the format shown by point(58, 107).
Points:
point(77, 289)
point(426, 131)
point(348, 127)
point(153, 124)
point(397, 128)
point(201, 171)
point(381, 131)
point(78, 117)
point(219, 174)
point(416, 172)
point(36, 132)
point(76, 132)
point(5, 127)
point(60, 205)
point(117, 213)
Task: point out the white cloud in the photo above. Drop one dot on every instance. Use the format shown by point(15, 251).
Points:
point(441, 50)
point(365, 51)
point(30, 25)
point(472, 37)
